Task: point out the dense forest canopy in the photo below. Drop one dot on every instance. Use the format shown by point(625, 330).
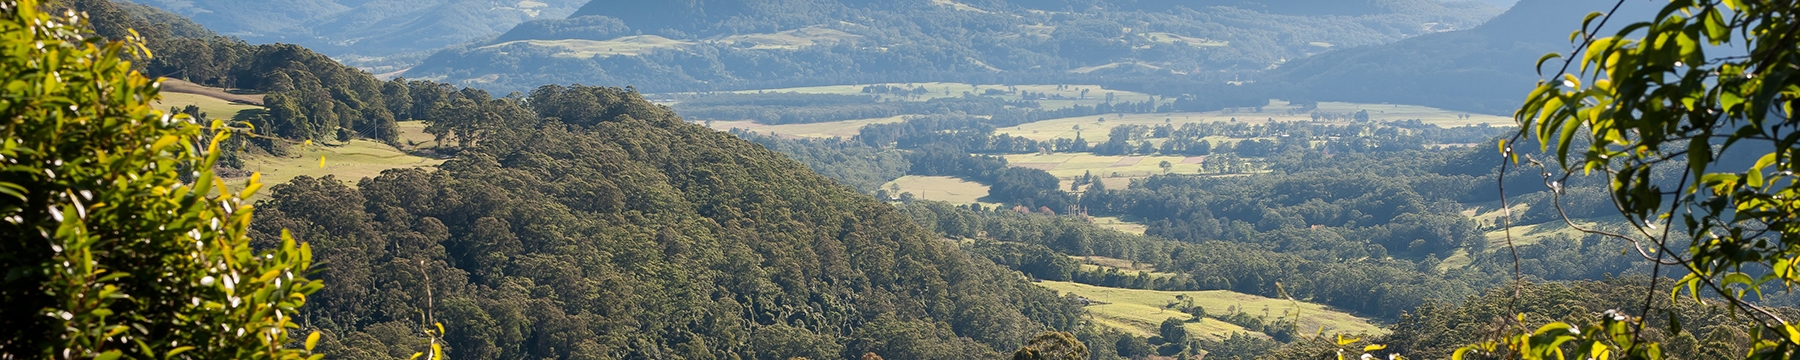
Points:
point(590, 222)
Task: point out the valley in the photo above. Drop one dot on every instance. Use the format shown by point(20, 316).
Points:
point(865, 180)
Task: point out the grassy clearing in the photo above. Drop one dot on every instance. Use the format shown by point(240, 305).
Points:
point(1095, 129)
point(938, 90)
point(637, 45)
point(839, 129)
point(787, 40)
point(170, 85)
point(1116, 263)
point(349, 162)
point(941, 188)
point(413, 136)
point(1169, 38)
point(625, 46)
point(1534, 233)
point(1120, 225)
point(1070, 165)
point(1090, 69)
point(959, 6)
point(1140, 311)
point(214, 108)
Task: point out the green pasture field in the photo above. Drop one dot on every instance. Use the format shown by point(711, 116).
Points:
point(1118, 224)
point(1094, 128)
point(214, 108)
point(349, 162)
point(637, 45)
point(941, 188)
point(1140, 312)
point(1089, 69)
point(838, 129)
point(786, 40)
point(1070, 165)
point(413, 136)
point(1169, 38)
point(624, 46)
point(937, 90)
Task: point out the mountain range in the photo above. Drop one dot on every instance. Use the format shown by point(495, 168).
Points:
point(736, 44)
point(365, 32)
point(1486, 69)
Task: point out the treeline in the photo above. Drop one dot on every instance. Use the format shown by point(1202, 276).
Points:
point(589, 222)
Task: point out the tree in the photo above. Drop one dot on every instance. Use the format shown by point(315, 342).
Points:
point(1173, 330)
point(1052, 345)
point(119, 240)
point(1166, 166)
point(1673, 130)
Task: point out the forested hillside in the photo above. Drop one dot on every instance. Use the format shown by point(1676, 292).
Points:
point(713, 45)
point(1486, 69)
point(606, 226)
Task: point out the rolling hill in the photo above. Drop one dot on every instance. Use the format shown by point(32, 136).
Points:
point(1486, 69)
point(704, 45)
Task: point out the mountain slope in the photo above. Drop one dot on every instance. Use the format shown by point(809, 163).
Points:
point(740, 44)
point(365, 28)
point(609, 227)
point(1486, 69)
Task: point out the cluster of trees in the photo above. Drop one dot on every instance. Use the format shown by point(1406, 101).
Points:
point(862, 167)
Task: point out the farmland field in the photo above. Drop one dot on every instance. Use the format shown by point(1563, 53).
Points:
point(1069, 165)
point(941, 188)
point(937, 90)
point(624, 46)
point(1140, 311)
point(1094, 129)
point(841, 129)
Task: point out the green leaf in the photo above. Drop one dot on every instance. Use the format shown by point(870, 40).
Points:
point(1674, 323)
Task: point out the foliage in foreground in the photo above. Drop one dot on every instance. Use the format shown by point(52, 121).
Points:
point(1660, 117)
point(117, 238)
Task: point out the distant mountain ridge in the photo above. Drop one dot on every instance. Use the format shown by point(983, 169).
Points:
point(690, 45)
point(1486, 69)
point(365, 28)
